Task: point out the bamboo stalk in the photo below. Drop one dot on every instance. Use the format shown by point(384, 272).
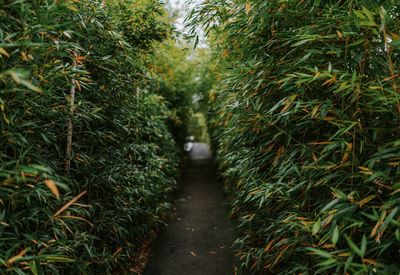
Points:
point(70, 129)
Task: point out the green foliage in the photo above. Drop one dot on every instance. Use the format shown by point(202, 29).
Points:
point(116, 182)
point(306, 123)
point(183, 78)
point(198, 127)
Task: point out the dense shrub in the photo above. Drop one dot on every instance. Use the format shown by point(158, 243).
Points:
point(77, 74)
point(306, 125)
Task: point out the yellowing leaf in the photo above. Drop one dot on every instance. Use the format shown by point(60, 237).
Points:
point(27, 84)
point(4, 52)
point(347, 153)
point(119, 249)
point(314, 111)
point(329, 81)
point(68, 204)
point(15, 258)
point(362, 202)
point(321, 142)
point(248, 7)
point(328, 246)
point(378, 224)
point(395, 37)
point(225, 53)
point(349, 146)
point(6, 120)
point(369, 261)
point(286, 107)
point(268, 247)
point(53, 187)
point(278, 155)
point(79, 59)
point(24, 56)
point(314, 156)
point(345, 254)
point(72, 8)
point(375, 87)
point(329, 118)
point(278, 258)
point(365, 170)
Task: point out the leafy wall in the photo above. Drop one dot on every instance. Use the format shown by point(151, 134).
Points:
point(87, 159)
point(306, 126)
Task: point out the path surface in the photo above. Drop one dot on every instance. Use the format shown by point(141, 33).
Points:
point(197, 240)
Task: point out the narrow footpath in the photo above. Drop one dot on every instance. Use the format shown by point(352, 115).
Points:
point(198, 238)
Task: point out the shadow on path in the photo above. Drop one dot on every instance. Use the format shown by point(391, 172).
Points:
point(198, 238)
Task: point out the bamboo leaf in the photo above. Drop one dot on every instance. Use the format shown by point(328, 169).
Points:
point(316, 227)
point(4, 52)
point(68, 204)
point(17, 257)
point(366, 200)
point(335, 235)
point(53, 187)
point(248, 7)
point(353, 246)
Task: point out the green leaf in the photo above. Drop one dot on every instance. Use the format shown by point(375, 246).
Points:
point(335, 235)
point(363, 245)
point(353, 246)
point(316, 227)
point(33, 267)
point(320, 252)
point(388, 220)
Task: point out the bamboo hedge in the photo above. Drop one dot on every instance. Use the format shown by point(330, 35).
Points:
point(306, 125)
point(87, 159)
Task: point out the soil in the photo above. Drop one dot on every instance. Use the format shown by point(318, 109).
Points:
point(198, 238)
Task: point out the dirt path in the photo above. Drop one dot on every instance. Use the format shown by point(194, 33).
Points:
point(198, 238)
